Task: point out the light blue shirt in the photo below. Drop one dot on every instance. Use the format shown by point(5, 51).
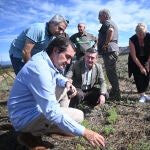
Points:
point(37, 33)
point(33, 93)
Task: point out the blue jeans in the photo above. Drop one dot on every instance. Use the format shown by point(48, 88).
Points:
point(16, 63)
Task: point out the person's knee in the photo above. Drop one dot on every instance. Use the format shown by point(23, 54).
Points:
point(80, 116)
point(75, 114)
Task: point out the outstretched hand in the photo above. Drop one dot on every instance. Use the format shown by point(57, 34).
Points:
point(94, 138)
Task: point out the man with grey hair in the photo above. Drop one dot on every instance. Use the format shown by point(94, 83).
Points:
point(35, 39)
point(109, 49)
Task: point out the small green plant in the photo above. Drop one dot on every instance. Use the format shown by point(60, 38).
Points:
point(142, 145)
point(130, 146)
point(111, 148)
point(108, 129)
point(95, 129)
point(113, 116)
point(86, 124)
point(79, 147)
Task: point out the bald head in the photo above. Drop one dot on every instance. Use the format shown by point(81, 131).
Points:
point(81, 28)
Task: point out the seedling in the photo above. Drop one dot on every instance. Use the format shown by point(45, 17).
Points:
point(108, 129)
point(113, 116)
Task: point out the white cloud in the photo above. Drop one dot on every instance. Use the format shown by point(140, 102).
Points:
point(16, 15)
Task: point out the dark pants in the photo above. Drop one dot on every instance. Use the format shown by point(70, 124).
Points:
point(110, 60)
point(141, 81)
point(89, 97)
point(17, 64)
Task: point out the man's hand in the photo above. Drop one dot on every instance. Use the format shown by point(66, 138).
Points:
point(105, 47)
point(68, 85)
point(101, 100)
point(143, 71)
point(94, 138)
point(147, 66)
point(71, 88)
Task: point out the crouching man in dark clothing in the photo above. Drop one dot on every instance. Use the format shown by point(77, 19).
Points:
point(87, 76)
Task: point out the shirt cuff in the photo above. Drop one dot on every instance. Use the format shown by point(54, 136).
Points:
point(80, 130)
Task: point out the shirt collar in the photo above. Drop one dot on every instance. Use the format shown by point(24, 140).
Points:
point(85, 34)
point(86, 68)
point(48, 60)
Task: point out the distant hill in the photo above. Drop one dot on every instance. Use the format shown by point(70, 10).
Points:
point(124, 50)
point(4, 64)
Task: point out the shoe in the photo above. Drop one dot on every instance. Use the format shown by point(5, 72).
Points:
point(115, 95)
point(33, 142)
point(147, 98)
point(142, 99)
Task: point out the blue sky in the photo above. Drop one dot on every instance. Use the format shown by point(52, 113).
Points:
point(16, 15)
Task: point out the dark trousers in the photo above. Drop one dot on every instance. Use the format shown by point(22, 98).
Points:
point(110, 60)
point(141, 81)
point(17, 64)
point(89, 97)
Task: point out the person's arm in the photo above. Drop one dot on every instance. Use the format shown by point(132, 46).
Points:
point(102, 84)
point(147, 65)
point(26, 52)
point(135, 59)
point(109, 36)
point(69, 75)
point(94, 138)
point(42, 85)
point(95, 43)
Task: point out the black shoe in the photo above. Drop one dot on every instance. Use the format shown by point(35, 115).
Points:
point(33, 142)
point(114, 95)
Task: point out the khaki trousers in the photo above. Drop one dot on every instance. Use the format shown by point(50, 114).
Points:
point(41, 125)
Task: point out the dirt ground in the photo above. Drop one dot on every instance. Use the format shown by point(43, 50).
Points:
point(132, 129)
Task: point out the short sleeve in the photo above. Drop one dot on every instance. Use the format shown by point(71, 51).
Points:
point(35, 32)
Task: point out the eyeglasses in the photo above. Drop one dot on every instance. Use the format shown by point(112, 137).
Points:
point(67, 21)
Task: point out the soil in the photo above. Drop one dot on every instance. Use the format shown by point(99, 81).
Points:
point(131, 131)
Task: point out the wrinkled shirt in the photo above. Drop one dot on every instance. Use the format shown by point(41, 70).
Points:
point(33, 93)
